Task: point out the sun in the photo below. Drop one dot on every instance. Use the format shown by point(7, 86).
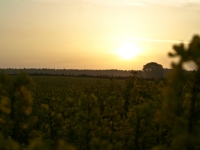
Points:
point(128, 51)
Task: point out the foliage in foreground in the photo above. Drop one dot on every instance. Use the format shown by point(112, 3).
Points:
point(159, 114)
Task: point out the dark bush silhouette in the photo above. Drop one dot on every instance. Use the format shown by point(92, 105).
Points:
point(153, 70)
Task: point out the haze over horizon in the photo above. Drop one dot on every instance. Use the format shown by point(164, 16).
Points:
point(94, 34)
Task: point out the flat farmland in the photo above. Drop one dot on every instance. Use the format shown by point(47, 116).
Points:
point(63, 81)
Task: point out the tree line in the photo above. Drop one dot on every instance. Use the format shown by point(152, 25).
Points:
point(88, 73)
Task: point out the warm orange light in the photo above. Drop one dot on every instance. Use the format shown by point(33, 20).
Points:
point(128, 51)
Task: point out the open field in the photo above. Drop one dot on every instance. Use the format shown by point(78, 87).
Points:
point(65, 81)
point(99, 75)
point(79, 113)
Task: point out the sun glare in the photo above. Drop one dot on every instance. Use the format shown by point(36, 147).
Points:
point(128, 51)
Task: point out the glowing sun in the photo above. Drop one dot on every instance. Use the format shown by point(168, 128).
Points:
point(128, 51)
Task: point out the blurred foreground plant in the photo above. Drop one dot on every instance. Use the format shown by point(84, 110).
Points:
point(181, 105)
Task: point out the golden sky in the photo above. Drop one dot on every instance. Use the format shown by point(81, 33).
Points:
point(88, 34)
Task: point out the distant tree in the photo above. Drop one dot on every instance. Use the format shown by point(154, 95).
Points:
point(153, 70)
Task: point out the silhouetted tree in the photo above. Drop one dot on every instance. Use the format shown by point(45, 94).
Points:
point(153, 69)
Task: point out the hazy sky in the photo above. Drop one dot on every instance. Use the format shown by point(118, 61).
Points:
point(86, 34)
